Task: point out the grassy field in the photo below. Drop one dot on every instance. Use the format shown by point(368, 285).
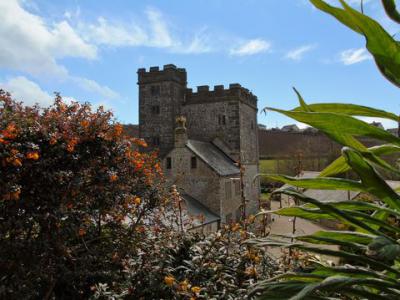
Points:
point(288, 166)
point(268, 166)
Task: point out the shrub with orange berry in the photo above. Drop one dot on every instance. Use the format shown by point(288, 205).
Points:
point(65, 174)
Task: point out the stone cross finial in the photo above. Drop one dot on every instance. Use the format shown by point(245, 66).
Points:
point(181, 122)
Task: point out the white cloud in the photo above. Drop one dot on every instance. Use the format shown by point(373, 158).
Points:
point(160, 35)
point(30, 93)
point(94, 87)
point(251, 47)
point(298, 53)
point(353, 56)
point(200, 43)
point(153, 32)
point(30, 45)
point(113, 34)
point(27, 91)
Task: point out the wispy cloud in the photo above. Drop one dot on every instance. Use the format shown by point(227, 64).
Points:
point(251, 47)
point(353, 56)
point(154, 32)
point(298, 53)
point(94, 87)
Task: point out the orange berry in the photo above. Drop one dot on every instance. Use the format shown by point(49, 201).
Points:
point(85, 123)
point(184, 285)
point(113, 177)
point(81, 232)
point(137, 200)
point(17, 162)
point(52, 141)
point(196, 289)
point(169, 280)
point(32, 155)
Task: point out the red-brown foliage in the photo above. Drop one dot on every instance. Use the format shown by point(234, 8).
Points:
point(73, 195)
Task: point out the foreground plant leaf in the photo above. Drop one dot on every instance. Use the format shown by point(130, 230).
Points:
point(321, 183)
point(371, 180)
point(340, 127)
point(390, 9)
point(385, 50)
point(339, 165)
point(349, 109)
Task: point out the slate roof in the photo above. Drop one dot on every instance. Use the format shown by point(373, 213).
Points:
point(196, 208)
point(213, 157)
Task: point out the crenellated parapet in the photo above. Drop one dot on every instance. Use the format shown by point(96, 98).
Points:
point(203, 94)
point(167, 73)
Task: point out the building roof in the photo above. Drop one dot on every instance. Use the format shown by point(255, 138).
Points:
point(214, 157)
point(195, 208)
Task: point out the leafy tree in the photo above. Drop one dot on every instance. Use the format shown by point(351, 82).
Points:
point(371, 251)
point(75, 197)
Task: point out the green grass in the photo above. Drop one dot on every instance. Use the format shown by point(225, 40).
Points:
point(288, 166)
point(268, 166)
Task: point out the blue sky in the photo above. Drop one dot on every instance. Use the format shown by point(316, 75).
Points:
point(90, 51)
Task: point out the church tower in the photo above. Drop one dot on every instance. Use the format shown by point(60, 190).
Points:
point(161, 94)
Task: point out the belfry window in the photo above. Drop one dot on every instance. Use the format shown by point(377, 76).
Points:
point(193, 162)
point(169, 163)
point(156, 141)
point(155, 90)
point(155, 109)
point(221, 119)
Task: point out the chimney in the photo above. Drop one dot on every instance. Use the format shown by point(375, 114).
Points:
point(180, 132)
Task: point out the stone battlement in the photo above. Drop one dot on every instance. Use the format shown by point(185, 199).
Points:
point(203, 94)
point(168, 72)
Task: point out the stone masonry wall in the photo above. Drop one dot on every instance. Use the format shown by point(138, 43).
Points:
point(231, 199)
point(248, 134)
point(163, 89)
point(201, 183)
point(203, 122)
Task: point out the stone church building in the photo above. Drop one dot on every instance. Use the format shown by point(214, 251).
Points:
point(203, 137)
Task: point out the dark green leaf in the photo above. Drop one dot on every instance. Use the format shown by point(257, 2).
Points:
point(340, 166)
point(371, 180)
point(341, 236)
point(390, 9)
point(349, 109)
point(380, 44)
point(321, 183)
point(384, 249)
point(342, 128)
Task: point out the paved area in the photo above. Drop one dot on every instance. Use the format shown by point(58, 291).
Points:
point(284, 225)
